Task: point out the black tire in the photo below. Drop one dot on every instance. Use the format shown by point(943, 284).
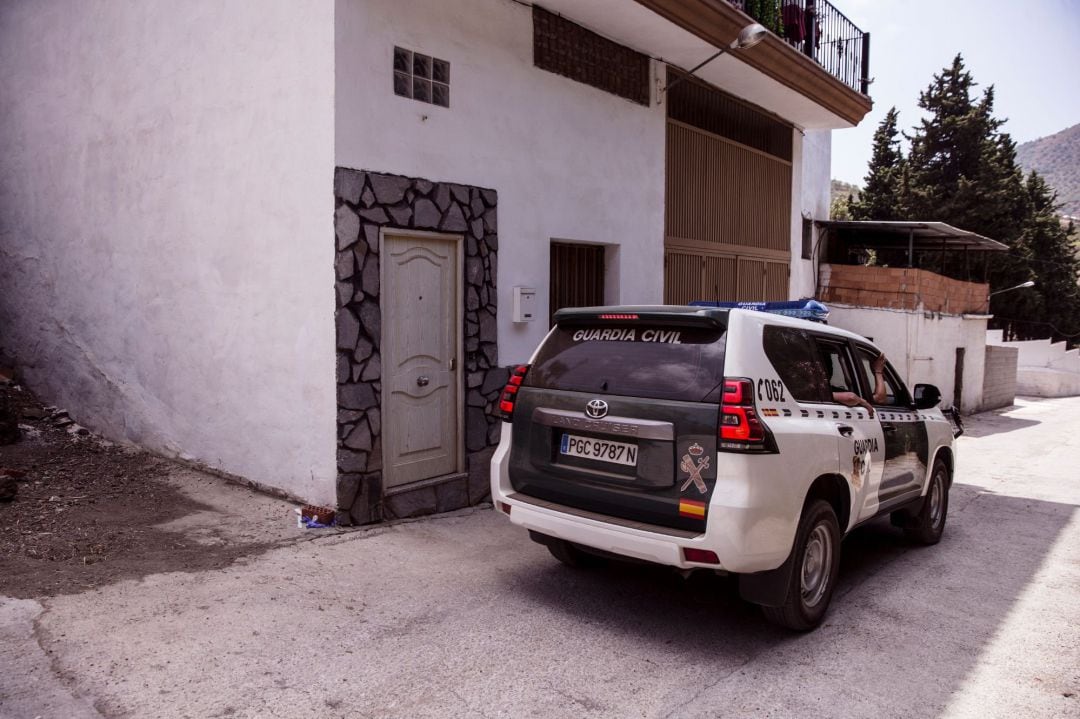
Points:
point(927, 526)
point(816, 562)
point(573, 556)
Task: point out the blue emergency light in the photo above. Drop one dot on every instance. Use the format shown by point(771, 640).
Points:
point(804, 309)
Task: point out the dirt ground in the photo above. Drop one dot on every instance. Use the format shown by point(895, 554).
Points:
point(89, 513)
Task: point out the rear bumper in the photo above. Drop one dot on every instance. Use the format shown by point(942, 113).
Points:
point(744, 537)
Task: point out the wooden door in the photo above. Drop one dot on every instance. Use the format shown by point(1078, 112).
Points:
point(421, 358)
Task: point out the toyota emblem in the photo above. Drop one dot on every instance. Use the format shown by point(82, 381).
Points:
point(596, 408)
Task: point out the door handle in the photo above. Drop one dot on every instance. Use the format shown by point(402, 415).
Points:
point(422, 381)
point(845, 430)
point(889, 428)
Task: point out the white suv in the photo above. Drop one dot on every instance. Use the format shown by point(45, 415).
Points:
point(709, 438)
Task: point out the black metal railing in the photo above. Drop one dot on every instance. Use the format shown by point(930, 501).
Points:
point(820, 31)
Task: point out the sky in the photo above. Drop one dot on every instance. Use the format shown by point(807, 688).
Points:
point(1029, 50)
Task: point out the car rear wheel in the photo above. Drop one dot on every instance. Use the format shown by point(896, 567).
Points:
point(814, 569)
point(928, 525)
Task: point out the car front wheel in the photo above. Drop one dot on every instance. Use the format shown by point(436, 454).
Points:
point(928, 525)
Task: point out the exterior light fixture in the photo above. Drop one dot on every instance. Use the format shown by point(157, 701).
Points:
point(1029, 283)
point(749, 36)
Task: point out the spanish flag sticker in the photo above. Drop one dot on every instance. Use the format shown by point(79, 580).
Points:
point(692, 509)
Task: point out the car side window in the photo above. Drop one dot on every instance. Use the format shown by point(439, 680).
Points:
point(895, 393)
point(838, 367)
point(794, 357)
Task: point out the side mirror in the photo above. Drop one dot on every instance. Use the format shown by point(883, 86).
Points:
point(927, 396)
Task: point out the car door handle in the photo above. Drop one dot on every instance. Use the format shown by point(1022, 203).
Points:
point(889, 428)
point(845, 430)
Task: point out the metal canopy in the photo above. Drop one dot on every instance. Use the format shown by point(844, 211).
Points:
point(910, 235)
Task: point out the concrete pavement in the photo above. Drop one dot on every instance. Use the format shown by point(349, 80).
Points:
point(464, 616)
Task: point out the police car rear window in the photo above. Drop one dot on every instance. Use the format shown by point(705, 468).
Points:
point(798, 362)
point(656, 362)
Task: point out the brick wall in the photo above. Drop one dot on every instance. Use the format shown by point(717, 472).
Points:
point(903, 288)
point(999, 378)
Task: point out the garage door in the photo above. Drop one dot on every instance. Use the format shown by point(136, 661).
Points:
point(691, 275)
point(728, 199)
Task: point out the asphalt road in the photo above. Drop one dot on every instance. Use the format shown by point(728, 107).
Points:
point(463, 616)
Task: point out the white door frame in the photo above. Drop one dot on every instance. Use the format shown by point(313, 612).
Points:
point(459, 318)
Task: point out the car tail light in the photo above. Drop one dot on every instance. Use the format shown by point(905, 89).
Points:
point(504, 508)
point(740, 427)
point(701, 556)
point(509, 393)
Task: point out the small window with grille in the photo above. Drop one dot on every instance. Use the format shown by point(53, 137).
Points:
point(807, 238)
point(577, 276)
point(421, 77)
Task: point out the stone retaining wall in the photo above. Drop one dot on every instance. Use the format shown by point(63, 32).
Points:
point(366, 202)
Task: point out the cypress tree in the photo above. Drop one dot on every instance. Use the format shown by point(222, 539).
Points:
point(881, 198)
point(1052, 307)
point(962, 168)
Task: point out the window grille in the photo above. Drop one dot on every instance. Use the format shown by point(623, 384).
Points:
point(566, 48)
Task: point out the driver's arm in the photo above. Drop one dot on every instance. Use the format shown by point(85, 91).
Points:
point(878, 367)
point(851, 399)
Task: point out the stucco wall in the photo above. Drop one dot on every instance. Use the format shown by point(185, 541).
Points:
point(569, 162)
point(166, 225)
point(810, 198)
point(922, 346)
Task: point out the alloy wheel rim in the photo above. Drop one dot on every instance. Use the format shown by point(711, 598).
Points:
point(816, 565)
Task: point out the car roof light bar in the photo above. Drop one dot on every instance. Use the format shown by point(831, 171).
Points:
point(805, 309)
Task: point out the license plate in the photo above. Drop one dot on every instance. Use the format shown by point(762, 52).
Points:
point(600, 450)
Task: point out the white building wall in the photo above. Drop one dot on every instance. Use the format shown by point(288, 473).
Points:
point(166, 225)
point(1044, 368)
point(812, 163)
point(922, 346)
point(570, 162)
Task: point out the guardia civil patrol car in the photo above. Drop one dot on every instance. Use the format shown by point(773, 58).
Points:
point(713, 438)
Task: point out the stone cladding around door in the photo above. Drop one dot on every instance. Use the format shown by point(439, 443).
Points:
point(365, 202)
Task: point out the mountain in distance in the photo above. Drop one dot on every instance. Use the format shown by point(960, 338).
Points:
point(840, 190)
point(1057, 158)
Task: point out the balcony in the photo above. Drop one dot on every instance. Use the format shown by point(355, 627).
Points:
point(816, 81)
point(821, 32)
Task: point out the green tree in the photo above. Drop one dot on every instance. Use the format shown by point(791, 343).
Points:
point(1055, 266)
point(962, 168)
point(766, 12)
point(881, 199)
point(839, 208)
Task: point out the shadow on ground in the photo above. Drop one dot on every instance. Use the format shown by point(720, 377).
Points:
point(938, 606)
point(996, 422)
